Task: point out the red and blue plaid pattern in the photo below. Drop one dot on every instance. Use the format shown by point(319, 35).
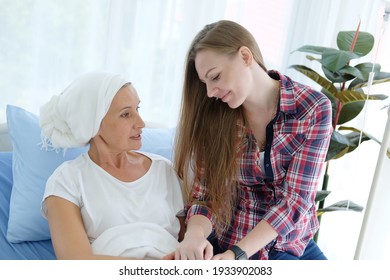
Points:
point(279, 185)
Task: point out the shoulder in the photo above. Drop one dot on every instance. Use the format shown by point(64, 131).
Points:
point(72, 167)
point(302, 100)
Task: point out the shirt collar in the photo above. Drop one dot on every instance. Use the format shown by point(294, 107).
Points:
point(287, 100)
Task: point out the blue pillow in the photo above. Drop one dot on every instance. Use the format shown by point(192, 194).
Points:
point(32, 166)
point(158, 141)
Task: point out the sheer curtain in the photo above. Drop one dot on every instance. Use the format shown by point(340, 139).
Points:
point(45, 44)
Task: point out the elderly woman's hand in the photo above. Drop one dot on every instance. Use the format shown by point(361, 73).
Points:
point(193, 247)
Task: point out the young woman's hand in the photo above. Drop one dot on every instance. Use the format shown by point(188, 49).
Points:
point(194, 247)
point(227, 255)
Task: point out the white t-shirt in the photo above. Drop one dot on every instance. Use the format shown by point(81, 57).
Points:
point(106, 202)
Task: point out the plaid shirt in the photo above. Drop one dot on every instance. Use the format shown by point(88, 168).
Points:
point(279, 184)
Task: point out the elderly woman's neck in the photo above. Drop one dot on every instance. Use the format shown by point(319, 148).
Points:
point(126, 166)
point(102, 155)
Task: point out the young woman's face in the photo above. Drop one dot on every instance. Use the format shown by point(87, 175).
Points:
point(122, 126)
point(225, 77)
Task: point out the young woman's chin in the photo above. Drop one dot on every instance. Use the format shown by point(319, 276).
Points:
point(234, 103)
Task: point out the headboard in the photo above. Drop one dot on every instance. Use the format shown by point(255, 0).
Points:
point(5, 142)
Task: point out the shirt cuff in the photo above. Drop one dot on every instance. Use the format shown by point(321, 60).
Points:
point(197, 209)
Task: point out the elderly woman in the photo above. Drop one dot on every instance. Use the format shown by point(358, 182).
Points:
point(112, 202)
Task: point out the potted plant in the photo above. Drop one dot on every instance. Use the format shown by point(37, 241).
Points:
point(343, 84)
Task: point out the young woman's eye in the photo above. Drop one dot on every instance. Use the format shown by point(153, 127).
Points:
point(138, 108)
point(125, 115)
point(216, 78)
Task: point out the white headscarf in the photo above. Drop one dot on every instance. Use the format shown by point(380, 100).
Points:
point(73, 118)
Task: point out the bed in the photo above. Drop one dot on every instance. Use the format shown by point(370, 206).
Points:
point(24, 169)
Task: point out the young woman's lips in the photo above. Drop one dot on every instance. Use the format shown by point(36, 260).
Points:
point(225, 96)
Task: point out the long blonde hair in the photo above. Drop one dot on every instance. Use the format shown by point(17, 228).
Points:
point(207, 140)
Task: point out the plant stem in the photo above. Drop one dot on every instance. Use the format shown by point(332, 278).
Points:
point(322, 202)
point(352, 48)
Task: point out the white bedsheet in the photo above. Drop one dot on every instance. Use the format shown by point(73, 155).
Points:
point(136, 240)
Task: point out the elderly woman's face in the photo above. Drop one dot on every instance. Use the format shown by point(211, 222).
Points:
point(122, 126)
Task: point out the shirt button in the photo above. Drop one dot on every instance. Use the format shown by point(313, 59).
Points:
point(267, 165)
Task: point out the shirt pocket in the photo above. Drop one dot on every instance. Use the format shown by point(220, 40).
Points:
point(291, 137)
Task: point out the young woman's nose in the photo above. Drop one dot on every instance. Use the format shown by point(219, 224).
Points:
point(212, 92)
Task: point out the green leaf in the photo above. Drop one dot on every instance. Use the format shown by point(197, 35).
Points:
point(353, 102)
point(334, 60)
point(379, 78)
point(352, 71)
point(364, 42)
point(343, 205)
point(312, 49)
point(347, 96)
point(349, 111)
point(338, 146)
point(356, 139)
point(341, 144)
point(366, 68)
point(366, 134)
point(350, 128)
point(321, 195)
point(312, 58)
point(324, 83)
point(337, 76)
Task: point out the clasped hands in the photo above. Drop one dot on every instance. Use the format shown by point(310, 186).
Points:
point(197, 247)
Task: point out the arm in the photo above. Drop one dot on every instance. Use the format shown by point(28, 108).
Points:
point(199, 226)
point(260, 236)
point(70, 241)
point(195, 245)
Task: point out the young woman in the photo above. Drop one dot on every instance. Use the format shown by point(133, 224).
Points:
point(112, 202)
point(254, 142)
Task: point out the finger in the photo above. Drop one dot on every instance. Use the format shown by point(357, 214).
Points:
point(208, 253)
point(170, 256)
point(177, 255)
point(186, 256)
point(194, 256)
point(199, 255)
